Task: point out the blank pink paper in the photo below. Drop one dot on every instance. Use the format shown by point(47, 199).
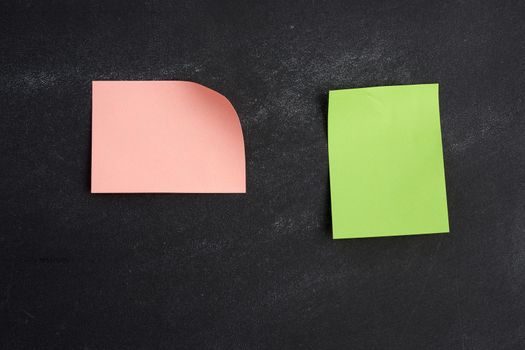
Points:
point(165, 137)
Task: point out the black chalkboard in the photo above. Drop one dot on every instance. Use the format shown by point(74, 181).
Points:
point(258, 271)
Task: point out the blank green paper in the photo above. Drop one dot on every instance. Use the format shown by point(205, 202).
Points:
point(387, 176)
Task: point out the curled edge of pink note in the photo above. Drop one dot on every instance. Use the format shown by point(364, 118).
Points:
point(165, 137)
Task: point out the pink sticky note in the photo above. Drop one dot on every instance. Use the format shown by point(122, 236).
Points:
point(165, 136)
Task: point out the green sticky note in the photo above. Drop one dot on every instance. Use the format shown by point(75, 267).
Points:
point(387, 176)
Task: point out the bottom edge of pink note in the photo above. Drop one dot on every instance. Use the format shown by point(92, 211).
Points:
point(166, 192)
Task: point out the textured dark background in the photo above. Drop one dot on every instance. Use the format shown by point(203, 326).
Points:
point(258, 271)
